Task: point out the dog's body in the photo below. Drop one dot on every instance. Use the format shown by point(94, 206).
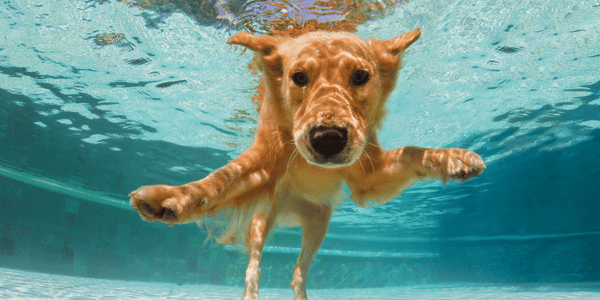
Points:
point(321, 101)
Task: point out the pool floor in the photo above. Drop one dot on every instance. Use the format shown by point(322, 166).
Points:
point(17, 284)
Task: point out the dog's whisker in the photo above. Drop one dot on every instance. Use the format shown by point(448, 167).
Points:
point(370, 160)
point(376, 146)
point(361, 165)
point(295, 155)
point(291, 159)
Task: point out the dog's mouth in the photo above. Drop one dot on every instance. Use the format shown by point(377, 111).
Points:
point(328, 146)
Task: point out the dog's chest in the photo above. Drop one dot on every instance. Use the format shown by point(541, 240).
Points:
point(314, 184)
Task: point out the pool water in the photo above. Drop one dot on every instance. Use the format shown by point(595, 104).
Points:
point(99, 97)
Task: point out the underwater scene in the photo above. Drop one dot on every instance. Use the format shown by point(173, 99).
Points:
point(100, 97)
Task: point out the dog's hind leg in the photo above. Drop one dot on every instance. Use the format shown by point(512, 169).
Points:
point(258, 231)
point(314, 222)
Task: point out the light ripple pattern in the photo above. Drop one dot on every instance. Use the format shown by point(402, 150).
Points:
point(16, 284)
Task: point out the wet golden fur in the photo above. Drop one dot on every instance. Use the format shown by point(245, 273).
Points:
point(322, 100)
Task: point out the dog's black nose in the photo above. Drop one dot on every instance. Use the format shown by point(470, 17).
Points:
point(328, 141)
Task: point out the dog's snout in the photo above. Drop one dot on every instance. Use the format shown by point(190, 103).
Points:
point(328, 141)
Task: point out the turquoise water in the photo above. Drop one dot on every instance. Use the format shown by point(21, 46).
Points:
point(84, 122)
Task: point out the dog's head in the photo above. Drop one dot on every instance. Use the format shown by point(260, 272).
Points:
point(328, 88)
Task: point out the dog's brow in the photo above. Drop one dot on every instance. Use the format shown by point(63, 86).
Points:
point(312, 48)
point(354, 48)
point(346, 58)
point(332, 58)
point(327, 47)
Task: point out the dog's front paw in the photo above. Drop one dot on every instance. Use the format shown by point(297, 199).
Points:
point(168, 204)
point(452, 164)
point(461, 164)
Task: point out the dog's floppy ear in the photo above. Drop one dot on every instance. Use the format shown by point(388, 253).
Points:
point(388, 51)
point(265, 46)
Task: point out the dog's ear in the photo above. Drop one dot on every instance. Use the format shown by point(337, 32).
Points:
point(401, 42)
point(389, 51)
point(265, 46)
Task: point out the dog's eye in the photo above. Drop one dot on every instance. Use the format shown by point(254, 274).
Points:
point(300, 78)
point(359, 78)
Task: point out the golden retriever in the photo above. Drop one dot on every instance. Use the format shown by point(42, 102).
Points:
point(322, 99)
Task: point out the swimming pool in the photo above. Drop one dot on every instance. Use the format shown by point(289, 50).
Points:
point(100, 97)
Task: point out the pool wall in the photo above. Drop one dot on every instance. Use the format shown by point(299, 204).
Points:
point(50, 232)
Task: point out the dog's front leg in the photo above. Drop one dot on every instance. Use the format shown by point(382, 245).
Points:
point(185, 203)
point(442, 164)
point(384, 175)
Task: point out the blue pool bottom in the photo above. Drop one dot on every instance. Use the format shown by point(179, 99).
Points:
point(17, 284)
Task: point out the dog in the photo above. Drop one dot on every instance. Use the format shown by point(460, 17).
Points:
point(322, 99)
